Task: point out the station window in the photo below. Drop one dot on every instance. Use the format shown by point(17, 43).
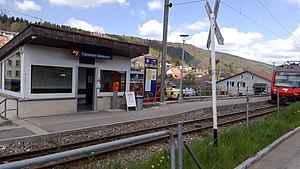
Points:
point(50, 79)
point(12, 83)
point(108, 77)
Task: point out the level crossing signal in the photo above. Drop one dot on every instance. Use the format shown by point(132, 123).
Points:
point(219, 36)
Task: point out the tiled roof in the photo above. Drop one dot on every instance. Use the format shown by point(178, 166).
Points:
point(257, 73)
point(4, 40)
point(262, 74)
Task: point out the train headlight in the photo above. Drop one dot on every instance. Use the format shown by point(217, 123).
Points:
point(295, 94)
point(274, 92)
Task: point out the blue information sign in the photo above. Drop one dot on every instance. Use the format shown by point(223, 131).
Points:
point(150, 74)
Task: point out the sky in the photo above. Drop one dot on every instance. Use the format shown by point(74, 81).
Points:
point(263, 30)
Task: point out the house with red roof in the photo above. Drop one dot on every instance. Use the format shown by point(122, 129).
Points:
point(251, 82)
point(175, 73)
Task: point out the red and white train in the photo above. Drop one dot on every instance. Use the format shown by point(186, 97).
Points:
point(286, 81)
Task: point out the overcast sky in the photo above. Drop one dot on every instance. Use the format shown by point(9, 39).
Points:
point(263, 30)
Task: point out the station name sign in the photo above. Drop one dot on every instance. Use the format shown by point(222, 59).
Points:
point(78, 53)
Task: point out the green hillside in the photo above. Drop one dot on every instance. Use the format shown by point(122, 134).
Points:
point(197, 57)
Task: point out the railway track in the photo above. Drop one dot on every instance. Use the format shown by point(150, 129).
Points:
point(190, 126)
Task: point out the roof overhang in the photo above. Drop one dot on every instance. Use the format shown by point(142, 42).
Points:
point(51, 37)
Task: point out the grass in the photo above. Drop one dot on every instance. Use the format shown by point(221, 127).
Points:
point(235, 144)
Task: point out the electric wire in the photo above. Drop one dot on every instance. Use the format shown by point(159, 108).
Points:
point(10, 11)
point(276, 19)
point(188, 2)
point(258, 23)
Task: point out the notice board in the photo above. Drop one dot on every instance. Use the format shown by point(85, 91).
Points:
point(130, 100)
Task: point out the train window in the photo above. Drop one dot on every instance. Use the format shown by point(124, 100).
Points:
point(287, 79)
point(241, 76)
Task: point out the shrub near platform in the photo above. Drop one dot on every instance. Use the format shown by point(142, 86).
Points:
point(238, 143)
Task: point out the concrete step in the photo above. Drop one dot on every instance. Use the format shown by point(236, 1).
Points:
point(4, 121)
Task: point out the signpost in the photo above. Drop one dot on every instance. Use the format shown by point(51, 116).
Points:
point(214, 30)
point(130, 100)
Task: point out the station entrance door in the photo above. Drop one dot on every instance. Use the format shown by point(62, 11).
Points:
point(86, 89)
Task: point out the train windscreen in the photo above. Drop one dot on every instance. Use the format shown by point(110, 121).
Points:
point(287, 79)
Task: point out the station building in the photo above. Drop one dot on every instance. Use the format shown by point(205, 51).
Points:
point(52, 71)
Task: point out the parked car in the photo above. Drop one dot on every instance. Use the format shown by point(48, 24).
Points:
point(190, 92)
point(173, 93)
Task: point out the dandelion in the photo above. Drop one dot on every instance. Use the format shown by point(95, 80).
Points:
point(162, 157)
point(152, 166)
point(158, 164)
point(161, 161)
point(161, 149)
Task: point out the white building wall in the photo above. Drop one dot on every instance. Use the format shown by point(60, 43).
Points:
point(244, 77)
point(117, 64)
point(47, 56)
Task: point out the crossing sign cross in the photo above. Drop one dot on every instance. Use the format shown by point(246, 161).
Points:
point(219, 36)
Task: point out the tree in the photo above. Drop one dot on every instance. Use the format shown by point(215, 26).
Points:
point(177, 62)
point(191, 75)
point(17, 26)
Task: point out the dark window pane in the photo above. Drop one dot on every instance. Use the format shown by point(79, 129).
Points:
point(48, 79)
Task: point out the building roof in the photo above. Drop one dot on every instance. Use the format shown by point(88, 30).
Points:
point(263, 75)
point(4, 40)
point(52, 37)
point(175, 73)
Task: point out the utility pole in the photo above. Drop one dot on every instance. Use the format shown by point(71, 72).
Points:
point(164, 50)
point(273, 65)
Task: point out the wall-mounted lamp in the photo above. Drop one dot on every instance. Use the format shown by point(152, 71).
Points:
point(33, 37)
